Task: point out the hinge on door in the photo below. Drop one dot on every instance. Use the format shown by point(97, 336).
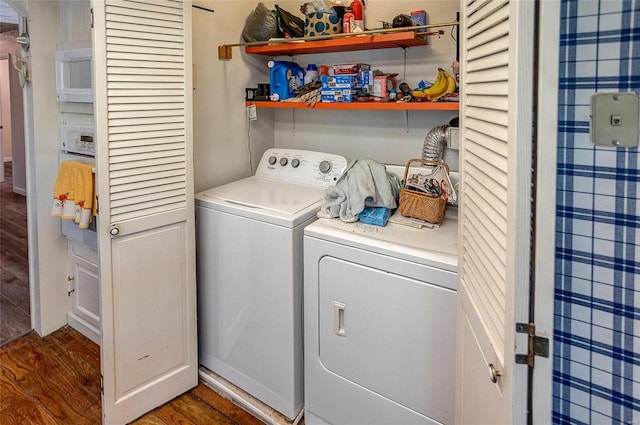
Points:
point(70, 285)
point(538, 345)
point(91, 13)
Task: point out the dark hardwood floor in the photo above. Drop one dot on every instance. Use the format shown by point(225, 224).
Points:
point(15, 318)
point(56, 380)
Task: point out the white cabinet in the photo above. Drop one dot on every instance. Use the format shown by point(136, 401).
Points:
point(83, 287)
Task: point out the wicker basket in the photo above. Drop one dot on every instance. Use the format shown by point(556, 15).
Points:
point(419, 204)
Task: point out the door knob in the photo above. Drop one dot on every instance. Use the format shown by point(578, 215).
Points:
point(114, 231)
point(494, 373)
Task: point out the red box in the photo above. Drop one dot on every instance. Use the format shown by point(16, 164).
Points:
point(350, 68)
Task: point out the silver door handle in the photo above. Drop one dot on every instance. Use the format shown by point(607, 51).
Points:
point(338, 318)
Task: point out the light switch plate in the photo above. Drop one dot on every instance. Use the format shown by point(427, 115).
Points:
point(615, 119)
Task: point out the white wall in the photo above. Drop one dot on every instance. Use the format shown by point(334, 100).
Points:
point(17, 131)
point(5, 104)
point(8, 46)
point(223, 143)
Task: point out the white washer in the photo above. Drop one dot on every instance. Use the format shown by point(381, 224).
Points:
point(250, 267)
point(379, 323)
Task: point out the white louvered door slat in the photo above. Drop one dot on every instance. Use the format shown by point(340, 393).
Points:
point(146, 218)
point(495, 163)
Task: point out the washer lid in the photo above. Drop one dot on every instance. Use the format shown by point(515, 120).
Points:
point(266, 194)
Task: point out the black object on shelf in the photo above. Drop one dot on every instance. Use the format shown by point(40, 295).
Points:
point(259, 93)
point(402, 20)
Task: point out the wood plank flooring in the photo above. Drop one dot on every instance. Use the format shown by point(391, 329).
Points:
point(56, 380)
point(15, 317)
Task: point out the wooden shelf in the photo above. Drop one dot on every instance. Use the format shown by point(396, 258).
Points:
point(342, 44)
point(364, 106)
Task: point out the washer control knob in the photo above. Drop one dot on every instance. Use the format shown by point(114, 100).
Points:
point(325, 167)
point(295, 162)
point(284, 161)
point(272, 160)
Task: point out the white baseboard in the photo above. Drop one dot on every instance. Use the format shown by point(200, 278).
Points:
point(249, 403)
point(84, 327)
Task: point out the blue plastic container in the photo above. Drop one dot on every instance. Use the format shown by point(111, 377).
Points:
point(375, 215)
point(284, 78)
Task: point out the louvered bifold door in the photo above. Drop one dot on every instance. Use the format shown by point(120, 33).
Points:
point(143, 116)
point(494, 226)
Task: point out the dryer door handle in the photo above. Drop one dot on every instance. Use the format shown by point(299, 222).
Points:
point(338, 318)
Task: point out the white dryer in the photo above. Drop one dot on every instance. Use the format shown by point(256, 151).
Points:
point(249, 268)
point(379, 323)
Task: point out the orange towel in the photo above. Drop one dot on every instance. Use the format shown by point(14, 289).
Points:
point(84, 194)
point(74, 193)
point(63, 192)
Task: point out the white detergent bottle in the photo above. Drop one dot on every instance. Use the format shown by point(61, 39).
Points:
point(312, 74)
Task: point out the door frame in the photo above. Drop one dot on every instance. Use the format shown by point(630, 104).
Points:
point(1, 140)
point(545, 209)
point(32, 229)
point(48, 300)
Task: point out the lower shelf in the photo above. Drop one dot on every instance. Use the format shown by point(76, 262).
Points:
point(366, 106)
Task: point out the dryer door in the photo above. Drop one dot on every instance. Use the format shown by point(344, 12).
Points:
point(391, 334)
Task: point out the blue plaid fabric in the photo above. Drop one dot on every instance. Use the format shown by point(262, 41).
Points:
point(596, 371)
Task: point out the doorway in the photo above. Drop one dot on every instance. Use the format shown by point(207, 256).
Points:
point(15, 315)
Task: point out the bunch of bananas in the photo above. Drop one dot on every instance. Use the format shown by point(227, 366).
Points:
point(445, 83)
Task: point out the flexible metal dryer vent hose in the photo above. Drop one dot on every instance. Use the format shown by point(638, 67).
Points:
point(434, 143)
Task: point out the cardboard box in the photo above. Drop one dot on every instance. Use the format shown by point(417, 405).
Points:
point(350, 68)
point(366, 80)
point(322, 23)
point(330, 82)
point(382, 84)
point(338, 96)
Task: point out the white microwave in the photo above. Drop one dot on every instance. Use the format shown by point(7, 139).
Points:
point(74, 75)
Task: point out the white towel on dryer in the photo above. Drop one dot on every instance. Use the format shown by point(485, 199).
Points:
point(364, 183)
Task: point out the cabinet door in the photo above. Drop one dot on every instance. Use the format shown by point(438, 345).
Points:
point(495, 209)
point(84, 291)
point(147, 226)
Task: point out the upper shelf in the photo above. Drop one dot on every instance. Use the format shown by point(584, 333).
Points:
point(342, 44)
